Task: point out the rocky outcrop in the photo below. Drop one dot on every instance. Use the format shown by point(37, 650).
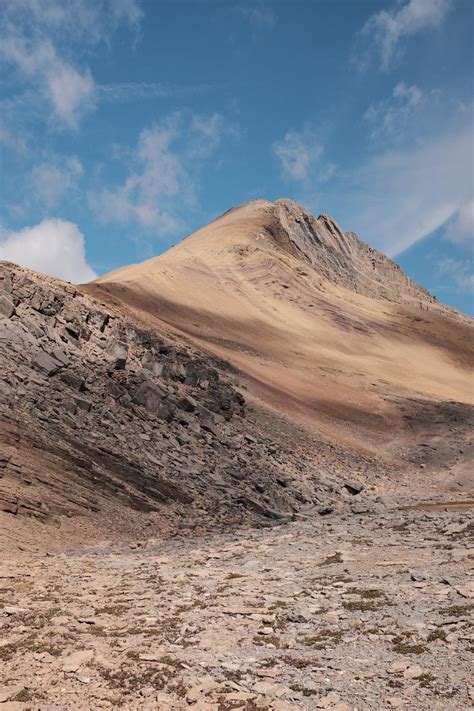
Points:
point(98, 414)
point(340, 256)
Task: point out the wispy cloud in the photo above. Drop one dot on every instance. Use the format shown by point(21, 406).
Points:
point(297, 153)
point(461, 228)
point(38, 39)
point(383, 37)
point(461, 272)
point(162, 169)
point(400, 196)
point(410, 186)
point(127, 92)
point(53, 178)
point(391, 117)
point(54, 247)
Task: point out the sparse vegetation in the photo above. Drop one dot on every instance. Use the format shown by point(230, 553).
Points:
point(403, 645)
point(322, 639)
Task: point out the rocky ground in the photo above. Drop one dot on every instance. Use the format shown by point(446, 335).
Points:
point(352, 610)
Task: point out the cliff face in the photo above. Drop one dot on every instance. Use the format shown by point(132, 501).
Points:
point(341, 257)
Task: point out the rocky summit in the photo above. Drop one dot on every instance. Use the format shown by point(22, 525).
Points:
point(236, 476)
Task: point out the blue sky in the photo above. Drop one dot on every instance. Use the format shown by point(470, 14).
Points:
point(127, 124)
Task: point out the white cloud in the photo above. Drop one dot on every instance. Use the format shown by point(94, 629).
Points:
point(161, 176)
point(409, 188)
point(54, 247)
point(390, 118)
point(39, 38)
point(460, 271)
point(71, 93)
point(297, 153)
point(51, 180)
point(206, 133)
point(387, 30)
point(461, 228)
point(401, 196)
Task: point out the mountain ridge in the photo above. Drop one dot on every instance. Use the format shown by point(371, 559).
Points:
point(296, 231)
point(310, 314)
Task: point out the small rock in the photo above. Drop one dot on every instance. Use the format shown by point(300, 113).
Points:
point(466, 590)
point(82, 403)
point(329, 700)
point(14, 610)
point(72, 662)
point(353, 487)
point(8, 692)
point(398, 667)
point(413, 672)
point(195, 693)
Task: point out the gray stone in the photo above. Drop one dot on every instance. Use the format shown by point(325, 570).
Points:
point(82, 403)
point(73, 380)
point(150, 395)
point(353, 487)
point(7, 307)
point(46, 363)
point(151, 362)
point(119, 354)
point(60, 356)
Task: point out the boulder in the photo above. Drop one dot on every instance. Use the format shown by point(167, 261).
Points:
point(82, 403)
point(46, 363)
point(7, 307)
point(73, 380)
point(353, 487)
point(207, 420)
point(151, 362)
point(118, 352)
point(150, 395)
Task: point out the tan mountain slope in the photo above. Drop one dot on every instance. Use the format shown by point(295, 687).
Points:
point(323, 327)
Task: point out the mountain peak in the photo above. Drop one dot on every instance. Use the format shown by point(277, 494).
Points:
point(246, 236)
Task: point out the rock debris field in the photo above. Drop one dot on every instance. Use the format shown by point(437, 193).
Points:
point(342, 612)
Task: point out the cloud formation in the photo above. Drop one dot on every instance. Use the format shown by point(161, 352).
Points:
point(38, 37)
point(52, 179)
point(161, 176)
point(385, 32)
point(297, 153)
point(54, 247)
point(390, 118)
point(461, 228)
point(401, 196)
point(459, 271)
